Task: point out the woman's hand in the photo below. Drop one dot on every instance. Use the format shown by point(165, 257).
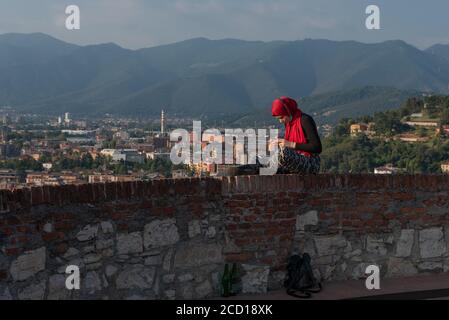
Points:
point(273, 144)
point(287, 144)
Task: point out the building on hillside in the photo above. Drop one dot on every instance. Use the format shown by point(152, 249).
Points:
point(363, 128)
point(423, 123)
point(445, 167)
point(358, 128)
point(326, 130)
point(444, 129)
point(410, 137)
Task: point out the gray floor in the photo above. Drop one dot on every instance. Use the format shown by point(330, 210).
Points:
point(356, 289)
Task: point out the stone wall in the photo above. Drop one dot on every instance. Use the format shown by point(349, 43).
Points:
point(170, 239)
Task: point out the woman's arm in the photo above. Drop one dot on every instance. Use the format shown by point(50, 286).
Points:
point(313, 144)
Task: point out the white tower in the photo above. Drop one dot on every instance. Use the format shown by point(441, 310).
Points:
point(67, 117)
point(162, 122)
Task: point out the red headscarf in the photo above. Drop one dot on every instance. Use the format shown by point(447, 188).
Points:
point(286, 106)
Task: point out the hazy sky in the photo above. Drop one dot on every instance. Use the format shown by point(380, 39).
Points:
point(145, 23)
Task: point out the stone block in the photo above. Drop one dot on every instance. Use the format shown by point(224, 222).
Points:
point(107, 227)
point(197, 254)
point(88, 233)
point(129, 243)
point(33, 292)
point(28, 264)
point(329, 245)
point(57, 289)
point(308, 219)
point(255, 279)
point(136, 277)
point(92, 283)
point(432, 243)
point(194, 228)
point(376, 246)
point(204, 290)
point(397, 267)
point(405, 243)
point(161, 233)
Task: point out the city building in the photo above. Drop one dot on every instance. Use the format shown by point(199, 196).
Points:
point(162, 122)
point(52, 179)
point(127, 155)
point(98, 178)
point(9, 151)
point(9, 179)
point(47, 166)
point(4, 133)
point(6, 120)
point(158, 155)
point(67, 118)
point(121, 135)
point(160, 143)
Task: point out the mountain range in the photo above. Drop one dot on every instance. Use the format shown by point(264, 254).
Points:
point(214, 78)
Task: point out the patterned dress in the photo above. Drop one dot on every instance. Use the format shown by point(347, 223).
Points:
point(291, 162)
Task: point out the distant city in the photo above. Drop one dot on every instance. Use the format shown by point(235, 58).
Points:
point(38, 150)
point(41, 151)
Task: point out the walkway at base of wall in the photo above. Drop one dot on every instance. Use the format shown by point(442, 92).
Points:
point(434, 286)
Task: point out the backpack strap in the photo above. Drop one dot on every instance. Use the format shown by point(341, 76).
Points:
point(316, 290)
point(308, 267)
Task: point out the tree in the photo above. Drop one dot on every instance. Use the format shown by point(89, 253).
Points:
point(421, 131)
point(87, 161)
point(445, 116)
point(120, 168)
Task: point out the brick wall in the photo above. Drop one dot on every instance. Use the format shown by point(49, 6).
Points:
point(170, 239)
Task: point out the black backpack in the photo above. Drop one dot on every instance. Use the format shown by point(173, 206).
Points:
point(300, 281)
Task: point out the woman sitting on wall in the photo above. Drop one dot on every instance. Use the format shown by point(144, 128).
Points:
point(299, 150)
